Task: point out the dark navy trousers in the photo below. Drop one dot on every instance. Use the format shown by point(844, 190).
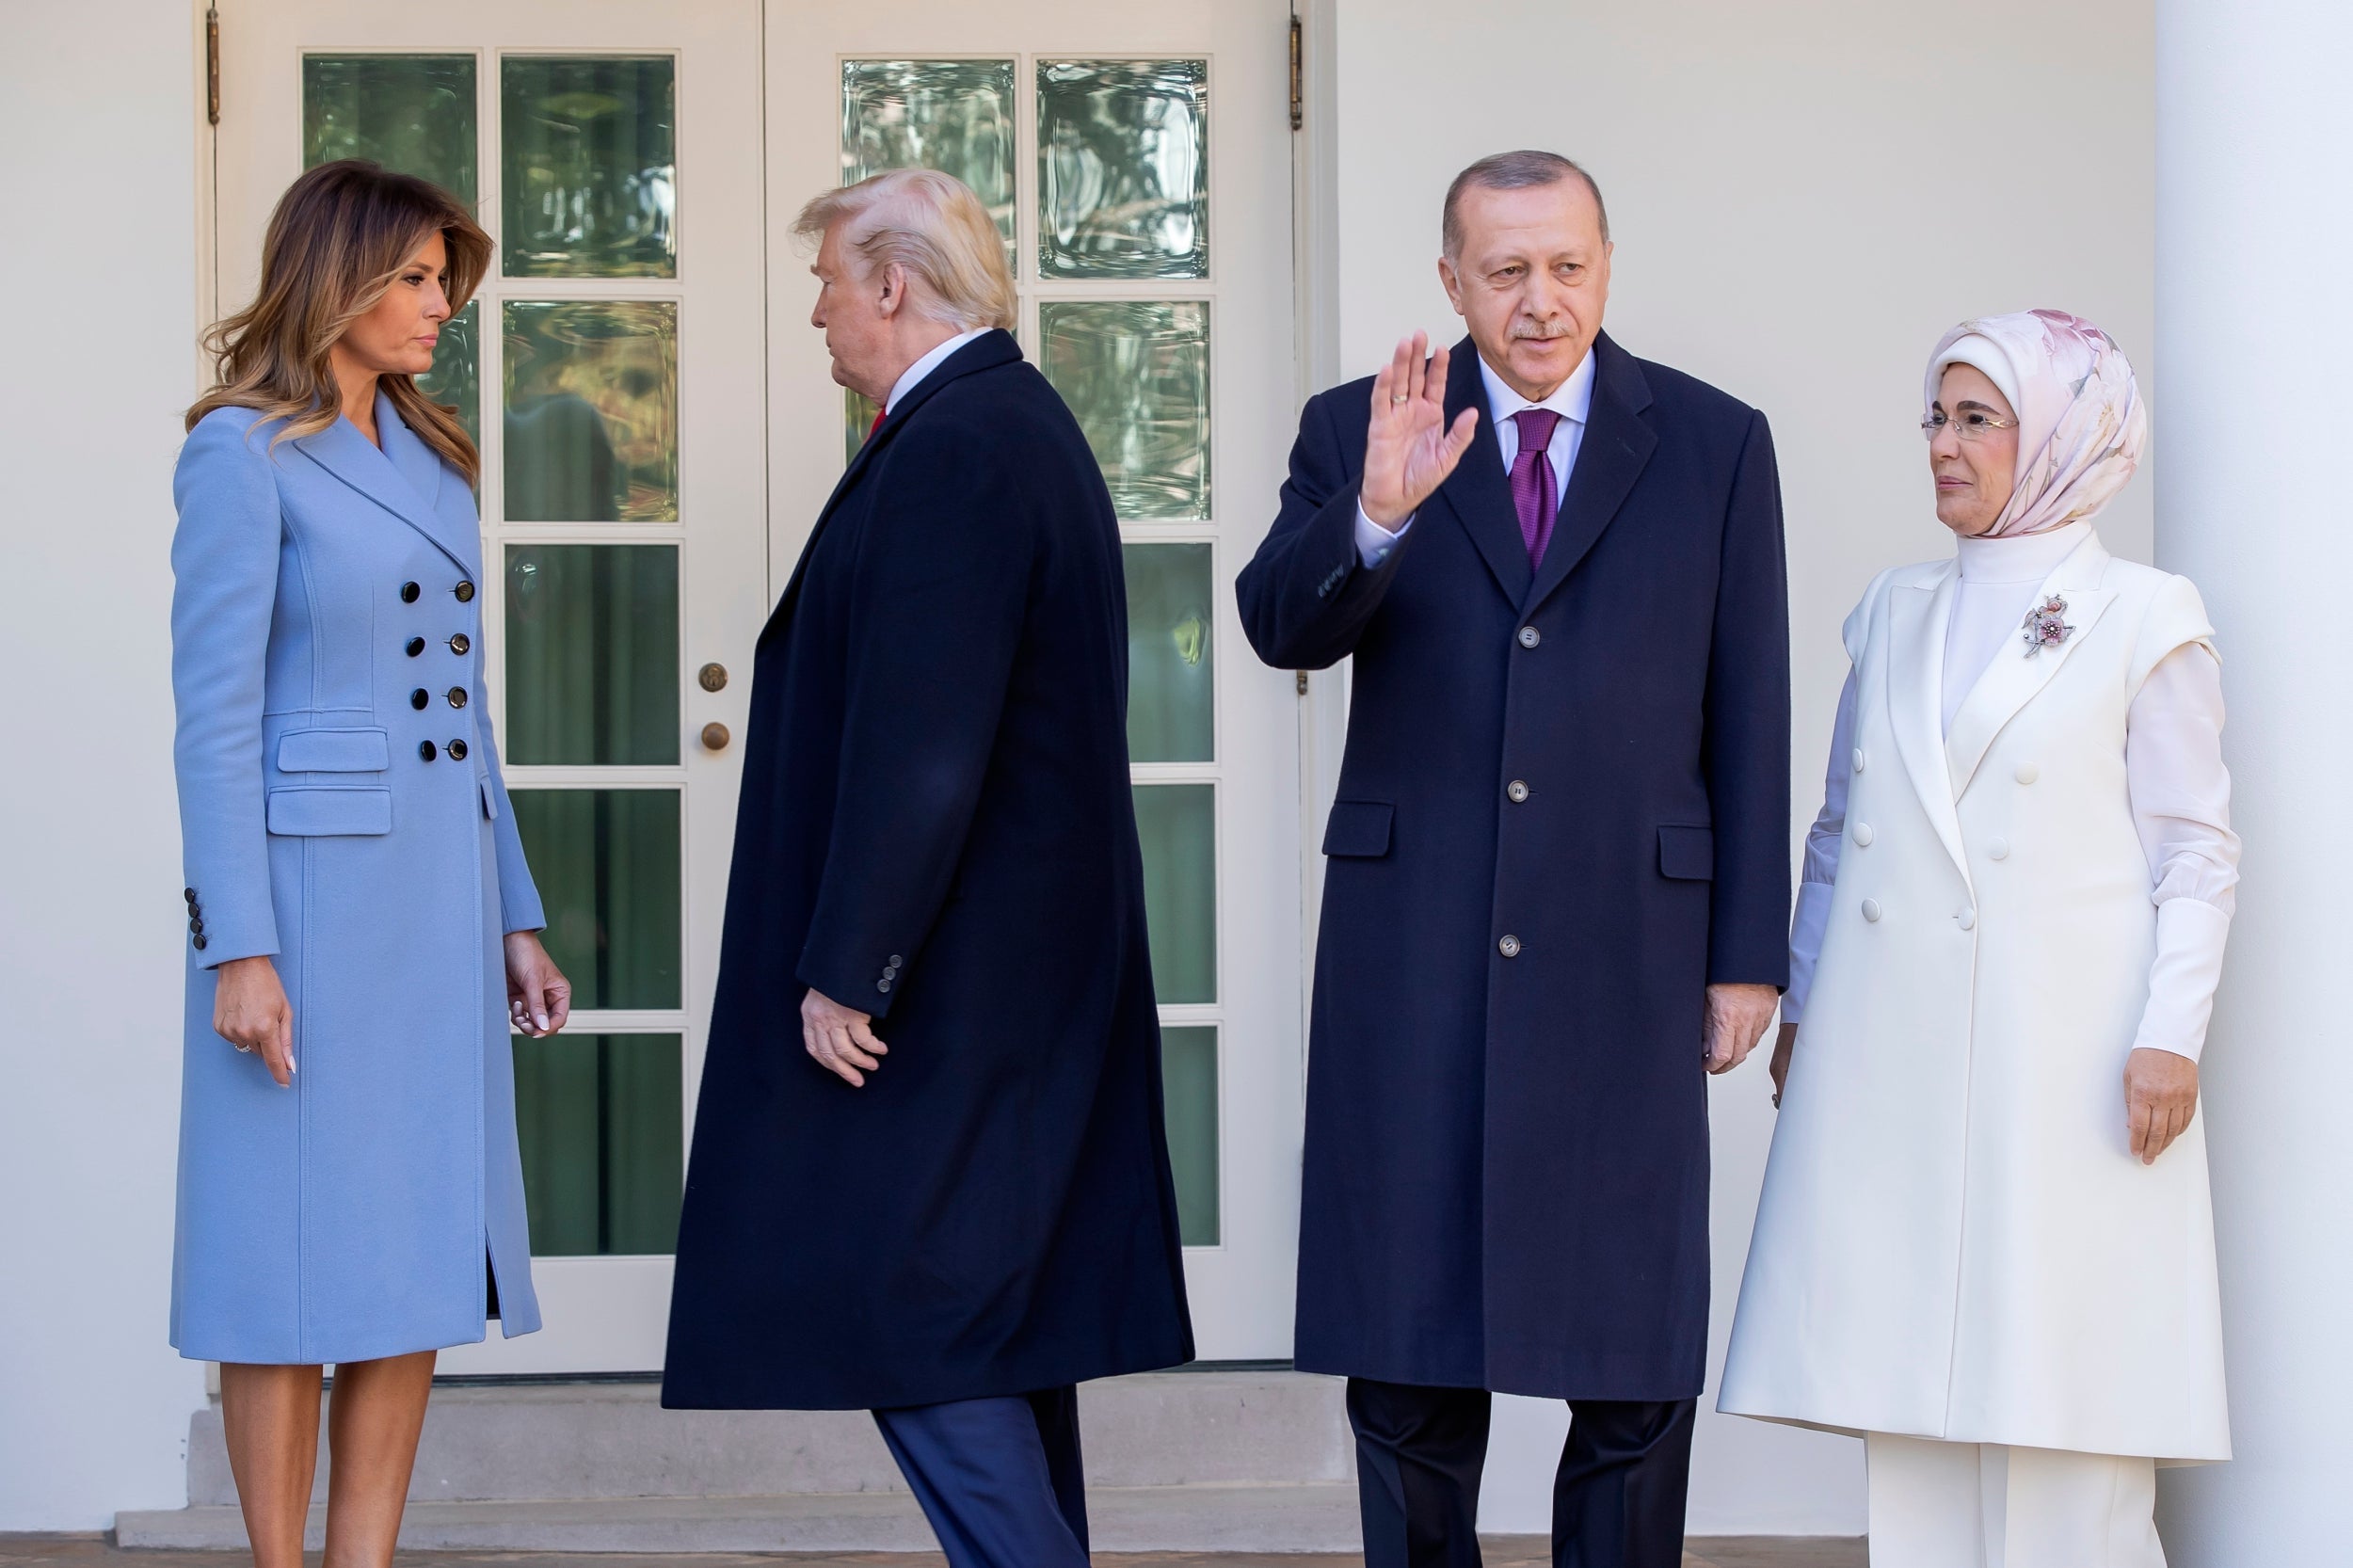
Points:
point(1617, 1502)
point(1000, 1479)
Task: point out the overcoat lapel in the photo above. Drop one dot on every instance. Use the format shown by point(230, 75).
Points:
point(1917, 614)
point(1477, 492)
point(985, 352)
point(393, 478)
point(2015, 676)
point(1617, 446)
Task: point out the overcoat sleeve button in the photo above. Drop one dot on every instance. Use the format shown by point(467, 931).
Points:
point(409, 592)
point(188, 895)
point(458, 696)
point(457, 751)
point(464, 592)
point(199, 942)
point(896, 960)
point(419, 698)
point(1871, 909)
point(882, 986)
point(1862, 835)
point(425, 749)
point(460, 643)
point(1517, 790)
point(416, 645)
point(1508, 947)
point(2027, 772)
point(1529, 636)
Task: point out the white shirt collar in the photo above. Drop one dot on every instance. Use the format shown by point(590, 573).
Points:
point(2027, 559)
point(924, 366)
point(1573, 399)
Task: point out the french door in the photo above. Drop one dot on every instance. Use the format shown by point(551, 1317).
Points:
point(659, 430)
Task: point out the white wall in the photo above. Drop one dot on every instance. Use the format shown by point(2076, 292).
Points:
point(1804, 196)
point(96, 103)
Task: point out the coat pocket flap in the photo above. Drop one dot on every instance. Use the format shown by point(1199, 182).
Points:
point(327, 813)
point(1687, 853)
point(334, 751)
point(1359, 829)
point(489, 797)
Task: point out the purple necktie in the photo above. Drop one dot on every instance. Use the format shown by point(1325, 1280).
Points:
point(1533, 493)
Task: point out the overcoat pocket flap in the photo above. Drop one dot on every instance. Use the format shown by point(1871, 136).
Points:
point(334, 751)
point(1687, 853)
point(326, 813)
point(1359, 829)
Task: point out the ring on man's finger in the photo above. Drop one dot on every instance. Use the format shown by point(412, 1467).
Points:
point(1399, 397)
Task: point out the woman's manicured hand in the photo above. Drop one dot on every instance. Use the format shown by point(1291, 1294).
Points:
point(539, 998)
point(1783, 1045)
point(2160, 1099)
point(251, 1012)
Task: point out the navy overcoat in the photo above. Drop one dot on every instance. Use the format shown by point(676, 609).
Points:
point(937, 827)
point(1506, 1181)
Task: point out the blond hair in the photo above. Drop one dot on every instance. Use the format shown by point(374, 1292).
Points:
point(930, 225)
point(338, 239)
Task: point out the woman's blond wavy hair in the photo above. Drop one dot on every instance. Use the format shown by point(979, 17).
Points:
point(333, 246)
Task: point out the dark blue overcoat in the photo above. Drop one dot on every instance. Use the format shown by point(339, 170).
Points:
point(936, 828)
point(1507, 1168)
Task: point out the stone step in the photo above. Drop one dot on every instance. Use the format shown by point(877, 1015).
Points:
point(548, 1442)
point(1309, 1517)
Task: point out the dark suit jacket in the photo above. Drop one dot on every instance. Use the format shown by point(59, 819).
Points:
point(937, 827)
point(1507, 1172)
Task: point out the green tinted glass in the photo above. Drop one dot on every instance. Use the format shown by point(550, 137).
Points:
point(587, 167)
point(1172, 690)
point(592, 655)
point(591, 410)
point(1188, 1083)
point(857, 419)
point(1136, 375)
point(1123, 151)
point(956, 116)
point(1178, 826)
point(414, 114)
point(457, 374)
point(606, 863)
point(602, 1131)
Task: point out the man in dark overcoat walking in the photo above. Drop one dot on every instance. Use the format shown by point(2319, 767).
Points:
point(1557, 881)
point(936, 849)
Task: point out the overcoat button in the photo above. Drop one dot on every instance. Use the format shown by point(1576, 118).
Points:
point(425, 749)
point(1862, 835)
point(458, 696)
point(188, 895)
point(1997, 849)
point(1508, 947)
point(1529, 636)
point(419, 698)
point(416, 645)
point(896, 960)
point(2027, 772)
point(1871, 909)
point(196, 924)
point(464, 592)
point(199, 940)
point(1517, 790)
point(409, 592)
point(1858, 758)
point(882, 986)
point(460, 643)
point(457, 751)
point(1967, 920)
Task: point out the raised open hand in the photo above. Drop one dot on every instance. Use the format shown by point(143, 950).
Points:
point(1408, 450)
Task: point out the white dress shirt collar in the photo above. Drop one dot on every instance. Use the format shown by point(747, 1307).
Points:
point(1573, 399)
point(924, 366)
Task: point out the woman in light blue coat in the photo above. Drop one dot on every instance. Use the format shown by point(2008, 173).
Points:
point(360, 921)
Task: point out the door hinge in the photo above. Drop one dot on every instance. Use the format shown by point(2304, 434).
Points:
point(1299, 74)
point(1302, 683)
point(212, 65)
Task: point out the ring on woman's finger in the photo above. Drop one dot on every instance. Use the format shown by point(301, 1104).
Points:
point(242, 1045)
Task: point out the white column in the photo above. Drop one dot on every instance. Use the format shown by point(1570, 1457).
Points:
point(2254, 468)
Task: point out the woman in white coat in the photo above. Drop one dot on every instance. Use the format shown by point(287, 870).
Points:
point(1985, 1242)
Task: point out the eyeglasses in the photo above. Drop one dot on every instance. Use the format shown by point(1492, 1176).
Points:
point(1973, 424)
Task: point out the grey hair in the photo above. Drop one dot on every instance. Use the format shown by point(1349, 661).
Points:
point(935, 227)
point(1520, 170)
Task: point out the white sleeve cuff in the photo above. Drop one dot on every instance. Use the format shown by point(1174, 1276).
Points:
point(1805, 945)
point(1374, 542)
point(2191, 935)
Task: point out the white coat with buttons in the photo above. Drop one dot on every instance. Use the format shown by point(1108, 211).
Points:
point(1955, 1240)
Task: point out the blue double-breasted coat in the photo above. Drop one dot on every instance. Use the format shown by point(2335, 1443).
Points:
point(1563, 813)
point(342, 812)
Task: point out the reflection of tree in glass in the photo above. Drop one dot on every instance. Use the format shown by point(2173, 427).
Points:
point(1123, 155)
point(1136, 375)
point(1171, 683)
point(591, 411)
point(954, 116)
point(590, 166)
point(414, 114)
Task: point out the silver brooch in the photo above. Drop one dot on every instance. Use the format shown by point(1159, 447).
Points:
point(2046, 625)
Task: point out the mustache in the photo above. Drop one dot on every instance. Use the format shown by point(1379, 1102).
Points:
point(1542, 331)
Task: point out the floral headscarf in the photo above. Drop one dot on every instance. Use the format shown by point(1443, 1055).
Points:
point(2081, 425)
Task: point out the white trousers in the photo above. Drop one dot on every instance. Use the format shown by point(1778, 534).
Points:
point(1982, 1505)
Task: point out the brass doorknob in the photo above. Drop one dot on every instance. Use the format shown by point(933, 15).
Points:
point(716, 737)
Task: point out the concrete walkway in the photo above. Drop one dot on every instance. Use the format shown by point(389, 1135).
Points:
point(1523, 1551)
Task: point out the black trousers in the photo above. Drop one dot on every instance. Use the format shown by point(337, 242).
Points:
point(1617, 1502)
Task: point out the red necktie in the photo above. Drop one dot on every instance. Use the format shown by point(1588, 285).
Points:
point(880, 414)
point(1534, 495)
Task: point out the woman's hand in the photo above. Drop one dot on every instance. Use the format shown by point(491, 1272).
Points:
point(251, 1012)
point(539, 998)
point(1783, 1045)
point(2160, 1099)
